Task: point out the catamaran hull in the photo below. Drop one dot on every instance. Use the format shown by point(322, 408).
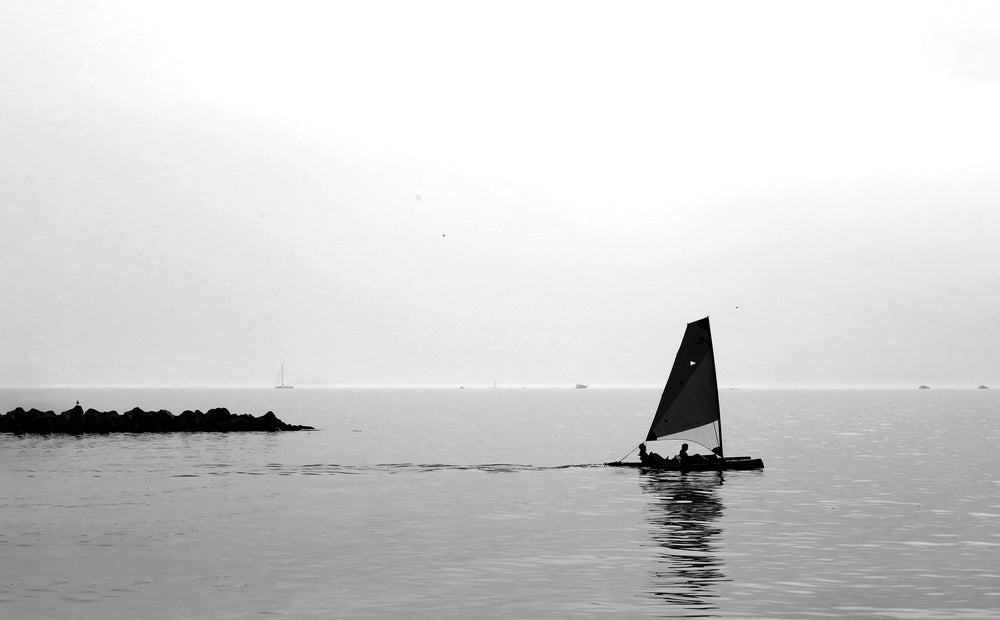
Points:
point(726, 465)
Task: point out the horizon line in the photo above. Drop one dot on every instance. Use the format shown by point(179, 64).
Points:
point(439, 386)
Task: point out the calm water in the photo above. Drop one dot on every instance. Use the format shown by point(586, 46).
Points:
point(488, 504)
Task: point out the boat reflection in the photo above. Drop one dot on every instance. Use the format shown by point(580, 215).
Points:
point(682, 516)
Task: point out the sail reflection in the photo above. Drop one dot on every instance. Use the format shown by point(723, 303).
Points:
point(682, 515)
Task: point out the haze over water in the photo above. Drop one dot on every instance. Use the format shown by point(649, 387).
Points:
point(492, 503)
point(449, 193)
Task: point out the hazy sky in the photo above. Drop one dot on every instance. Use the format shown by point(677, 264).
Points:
point(533, 193)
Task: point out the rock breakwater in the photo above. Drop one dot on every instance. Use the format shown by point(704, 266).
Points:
point(76, 421)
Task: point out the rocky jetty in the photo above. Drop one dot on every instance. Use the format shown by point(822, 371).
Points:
point(76, 421)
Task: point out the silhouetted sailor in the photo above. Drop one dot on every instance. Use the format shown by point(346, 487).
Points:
point(649, 458)
point(683, 456)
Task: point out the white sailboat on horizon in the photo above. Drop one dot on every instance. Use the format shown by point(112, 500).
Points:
point(281, 382)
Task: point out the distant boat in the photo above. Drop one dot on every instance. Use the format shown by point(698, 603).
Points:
point(281, 382)
point(983, 387)
point(580, 386)
point(923, 387)
point(689, 407)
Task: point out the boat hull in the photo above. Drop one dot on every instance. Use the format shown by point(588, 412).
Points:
point(740, 462)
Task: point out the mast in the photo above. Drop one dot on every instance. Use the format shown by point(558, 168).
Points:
point(715, 376)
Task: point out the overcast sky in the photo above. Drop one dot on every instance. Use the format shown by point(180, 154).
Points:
point(426, 193)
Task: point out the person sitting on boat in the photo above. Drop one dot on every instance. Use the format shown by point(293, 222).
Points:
point(649, 458)
point(683, 457)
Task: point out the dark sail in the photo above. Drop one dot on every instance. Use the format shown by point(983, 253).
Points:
point(689, 407)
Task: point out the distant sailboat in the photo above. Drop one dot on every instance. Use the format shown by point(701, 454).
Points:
point(689, 407)
point(281, 382)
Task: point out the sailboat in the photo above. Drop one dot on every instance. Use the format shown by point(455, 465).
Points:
point(282, 385)
point(689, 408)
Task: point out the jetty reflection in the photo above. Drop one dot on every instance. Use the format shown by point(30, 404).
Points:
point(683, 512)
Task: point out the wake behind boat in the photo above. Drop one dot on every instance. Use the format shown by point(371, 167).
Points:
point(689, 408)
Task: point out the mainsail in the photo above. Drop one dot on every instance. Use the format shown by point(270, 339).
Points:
point(689, 407)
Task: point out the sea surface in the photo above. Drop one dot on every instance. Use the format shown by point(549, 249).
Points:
point(493, 503)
